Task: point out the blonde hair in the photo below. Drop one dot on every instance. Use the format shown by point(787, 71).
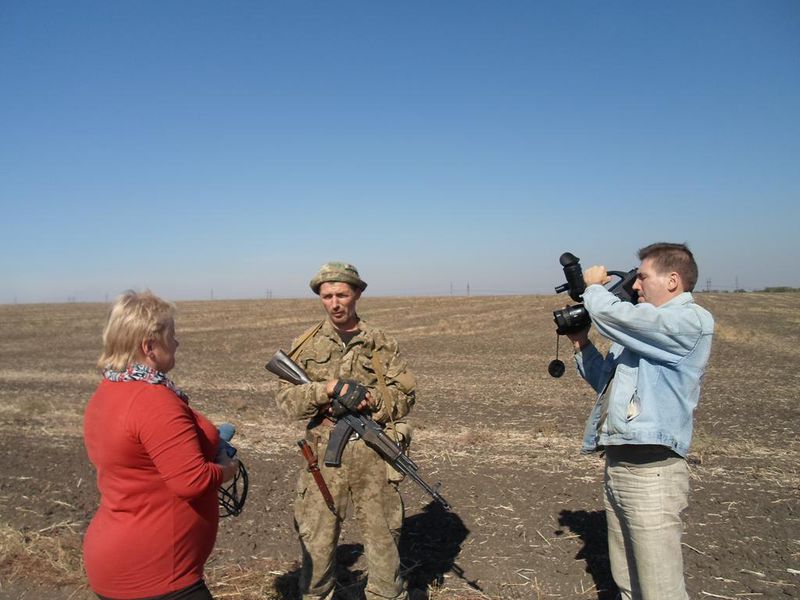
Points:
point(134, 318)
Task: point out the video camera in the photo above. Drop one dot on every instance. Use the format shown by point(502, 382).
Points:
point(574, 318)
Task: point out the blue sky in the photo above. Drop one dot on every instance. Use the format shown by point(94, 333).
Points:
point(236, 146)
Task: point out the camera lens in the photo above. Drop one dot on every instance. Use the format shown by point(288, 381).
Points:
point(571, 318)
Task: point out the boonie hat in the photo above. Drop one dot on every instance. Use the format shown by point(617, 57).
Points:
point(337, 271)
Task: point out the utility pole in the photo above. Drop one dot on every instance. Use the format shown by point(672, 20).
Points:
point(708, 284)
point(468, 289)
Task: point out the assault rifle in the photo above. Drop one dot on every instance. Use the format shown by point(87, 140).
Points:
point(350, 423)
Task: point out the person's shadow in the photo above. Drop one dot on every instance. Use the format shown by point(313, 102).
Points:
point(350, 582)
point(429, 544)
point(592, 529)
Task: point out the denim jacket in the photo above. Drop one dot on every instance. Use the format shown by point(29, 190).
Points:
point(657, 361)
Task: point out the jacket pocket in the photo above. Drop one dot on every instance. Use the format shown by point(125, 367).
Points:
point(634, 407)
point(622, 395)
point(299, 509)
point(318, 364)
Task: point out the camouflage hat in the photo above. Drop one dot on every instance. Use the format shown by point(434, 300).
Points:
point(337, 271)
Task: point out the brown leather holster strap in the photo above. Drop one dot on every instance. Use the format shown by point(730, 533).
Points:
point(313, 467)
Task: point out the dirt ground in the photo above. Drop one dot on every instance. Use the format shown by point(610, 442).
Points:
point(501, 435)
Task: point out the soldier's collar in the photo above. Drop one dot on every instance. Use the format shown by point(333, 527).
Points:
point(330, 331)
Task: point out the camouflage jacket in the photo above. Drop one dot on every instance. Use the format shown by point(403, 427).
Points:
point(323, 357)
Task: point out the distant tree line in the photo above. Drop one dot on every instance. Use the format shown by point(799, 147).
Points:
point(781, 289)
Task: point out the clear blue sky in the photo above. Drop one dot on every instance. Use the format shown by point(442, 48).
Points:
point(236, 146)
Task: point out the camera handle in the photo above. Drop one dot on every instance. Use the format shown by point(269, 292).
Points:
point(623, 289)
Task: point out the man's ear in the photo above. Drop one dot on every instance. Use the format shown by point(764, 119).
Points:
point(674, 282)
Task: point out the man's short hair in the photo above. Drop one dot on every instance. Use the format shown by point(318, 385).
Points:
point(668, 258)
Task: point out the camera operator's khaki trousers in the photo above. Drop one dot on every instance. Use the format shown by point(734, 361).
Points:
point(643, 506)
point(378, 508)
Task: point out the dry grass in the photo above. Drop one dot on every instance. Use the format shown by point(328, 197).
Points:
point(50, 557)
point(254, 580)
point(490, 423)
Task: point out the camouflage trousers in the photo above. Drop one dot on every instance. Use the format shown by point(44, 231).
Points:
point(378, 507)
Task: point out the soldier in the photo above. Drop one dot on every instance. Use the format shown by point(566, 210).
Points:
point(341, 352)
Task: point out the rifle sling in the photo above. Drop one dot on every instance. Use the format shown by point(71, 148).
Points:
point(304, 338)
point(378, 368)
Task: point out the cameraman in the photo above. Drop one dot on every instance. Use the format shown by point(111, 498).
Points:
point(648, 386)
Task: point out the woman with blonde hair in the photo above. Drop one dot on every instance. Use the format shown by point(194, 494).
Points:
point(154, 455)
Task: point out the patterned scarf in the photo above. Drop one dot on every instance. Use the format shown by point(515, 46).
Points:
point(140, 372)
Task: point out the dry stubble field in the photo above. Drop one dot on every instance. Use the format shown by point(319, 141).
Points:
point(501, 435)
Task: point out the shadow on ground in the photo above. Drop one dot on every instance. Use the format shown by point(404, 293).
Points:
point(429, 544)
point(350, 581)
point(591, 528)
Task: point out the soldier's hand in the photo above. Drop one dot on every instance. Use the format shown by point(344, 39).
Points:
point(368, 402)
point(348, 396)
point(329, 386)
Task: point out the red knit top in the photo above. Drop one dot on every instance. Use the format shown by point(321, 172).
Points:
point(158, 515)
